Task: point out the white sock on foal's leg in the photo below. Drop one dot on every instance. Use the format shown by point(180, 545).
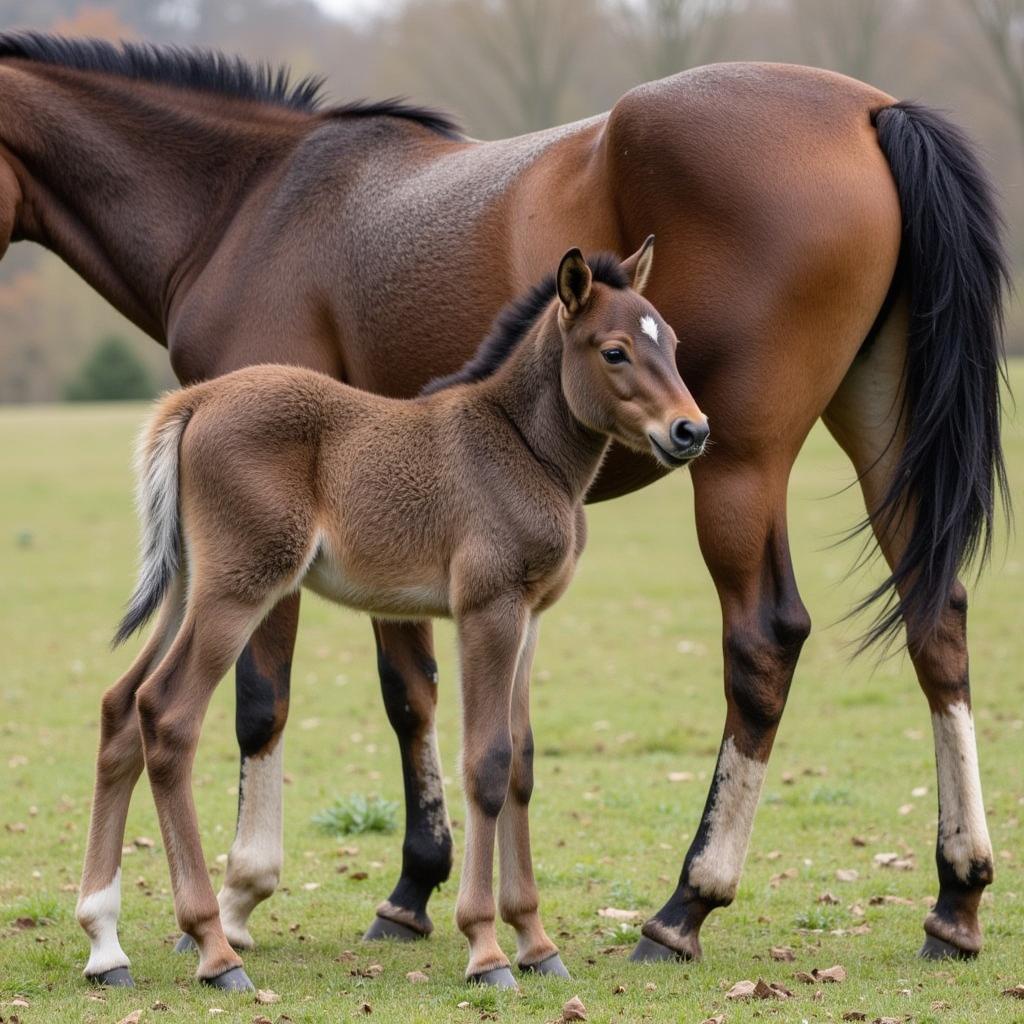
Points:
point(97, 913)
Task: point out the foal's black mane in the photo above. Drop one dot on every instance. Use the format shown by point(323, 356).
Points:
point(208, 71)
point(514, 321)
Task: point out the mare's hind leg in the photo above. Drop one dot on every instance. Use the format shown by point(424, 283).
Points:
point(863, 417)
point(408, 681)
point(741, 523)
point(171, 706)
point(262, 677)
point(118, 766)
point(518, 898)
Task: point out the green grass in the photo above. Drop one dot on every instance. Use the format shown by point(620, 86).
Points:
point(627, 690)
point(355, 815)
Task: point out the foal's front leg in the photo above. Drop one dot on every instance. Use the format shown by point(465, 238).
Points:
point(490, 639)
point(518, 898)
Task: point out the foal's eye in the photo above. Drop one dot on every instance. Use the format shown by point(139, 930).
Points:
point(614, 356)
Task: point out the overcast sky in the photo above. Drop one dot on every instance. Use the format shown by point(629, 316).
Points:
point(353, 8)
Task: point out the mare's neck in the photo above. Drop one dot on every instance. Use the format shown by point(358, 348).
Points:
point(131, 183)
point(527, 390)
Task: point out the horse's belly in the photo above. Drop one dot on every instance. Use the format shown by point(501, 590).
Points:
point(388, 599)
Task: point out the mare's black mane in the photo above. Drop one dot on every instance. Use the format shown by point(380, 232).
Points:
point(514, 321)
point(208, 71)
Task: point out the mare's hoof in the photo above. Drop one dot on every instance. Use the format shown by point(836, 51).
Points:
point(116, 977)
point(648, 951)
point(383, 928)
point(186, 944)
point(233, 980)
point(938, 949)
point(549, 965)
point(499, 977)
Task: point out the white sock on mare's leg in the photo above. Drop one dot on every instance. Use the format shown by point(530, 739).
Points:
point(963, 831)
point(257, 854)
point(715, 871)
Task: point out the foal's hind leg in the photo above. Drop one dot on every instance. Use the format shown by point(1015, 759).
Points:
point(518, 898)
point(171, 706)
point(408, 681)
point(118, 767)
point(741, 523)
point(864, 419)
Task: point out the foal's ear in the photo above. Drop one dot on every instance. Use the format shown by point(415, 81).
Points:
point(638, 266)
point(574, 280)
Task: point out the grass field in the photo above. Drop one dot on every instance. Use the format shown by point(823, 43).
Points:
point(627, 690)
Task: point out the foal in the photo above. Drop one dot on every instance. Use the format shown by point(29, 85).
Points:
point(466, 502)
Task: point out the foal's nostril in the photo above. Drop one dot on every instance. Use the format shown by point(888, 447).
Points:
point(686, 434)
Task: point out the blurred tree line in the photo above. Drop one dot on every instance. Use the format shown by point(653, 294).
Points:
point(510, 66)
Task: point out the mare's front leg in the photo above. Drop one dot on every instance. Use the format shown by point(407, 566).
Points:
point(408, 682)
point(490, 639)
point(518, 898)
point(741, 522)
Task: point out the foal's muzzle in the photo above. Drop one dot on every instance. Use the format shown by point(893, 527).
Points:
point(686, 440)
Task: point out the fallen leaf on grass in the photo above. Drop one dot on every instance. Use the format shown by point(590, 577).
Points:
point(133, 1018)
point(619, 990)
point(464, 1005)
point(940, 1004)
point(828, 899)
point(741, 990)
point(894, 861)
point(574, 1010)
point(822, 974)
point(262, 1020)
point(760, 989)
point(680, 776)
point(718, 1019)
point(366, 1008)
point(1017, 992)
point(890, 1020)
point(159, 1005)
point(847, 874)
point(618, 915)
point(144, 842)
point(265, 996)
point(855, 1015)
point(417, 977)
point(782, 876)
point(784, 954)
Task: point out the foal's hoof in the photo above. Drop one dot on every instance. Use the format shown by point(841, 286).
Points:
point(648, 951)
point(938, 949)
point(186, 944)
point(499, 977)
point(549, 965)
point(116, 977)
point(384, 928)
point(233, 980)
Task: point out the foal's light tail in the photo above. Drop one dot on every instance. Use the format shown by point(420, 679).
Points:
point(954, 269)
point(156, 498)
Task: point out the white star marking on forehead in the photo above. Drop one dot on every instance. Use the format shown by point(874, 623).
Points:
point(650, 327)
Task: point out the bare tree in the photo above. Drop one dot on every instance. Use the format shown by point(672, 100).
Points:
point(667, 36)
point(844, 35)
point(1001, 24)
point(506, 63)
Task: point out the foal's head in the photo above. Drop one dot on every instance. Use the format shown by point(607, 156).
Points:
point(619, 371)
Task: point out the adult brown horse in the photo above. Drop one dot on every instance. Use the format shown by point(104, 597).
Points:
point(824, 252)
